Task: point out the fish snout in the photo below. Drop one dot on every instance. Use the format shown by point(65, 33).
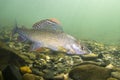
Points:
point(80, 49)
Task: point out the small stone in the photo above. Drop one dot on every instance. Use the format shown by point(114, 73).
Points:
point(11, 44)
point(48, 58)
point(66, 77)
point(61, 77)
point(31, 56)
point(110, 66)
point(17, 48)
point(28, 76)
point(37, 72)
point(91, 56)
point(26, 59)
point(116, 75)
point(25, 69)
point(112, 78)
point(48, 74)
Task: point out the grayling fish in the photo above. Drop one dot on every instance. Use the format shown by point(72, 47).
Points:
point(49, 34)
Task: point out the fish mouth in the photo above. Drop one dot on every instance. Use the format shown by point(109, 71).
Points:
point(78, 49)
point(80, 52)
point(84, 51)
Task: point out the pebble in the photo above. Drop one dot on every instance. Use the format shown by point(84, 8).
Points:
point(112, 78)
point(110, 66)
point(25, 69)
point(48, 74)
point(116, 75)
point(37, 72)
point(91, 56)
point(61, 77)
point(11, 44)
point(28, 76)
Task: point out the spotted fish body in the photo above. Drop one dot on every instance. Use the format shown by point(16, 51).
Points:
point(50, 34)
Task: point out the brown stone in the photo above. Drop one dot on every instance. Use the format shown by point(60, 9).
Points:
point(89, 72)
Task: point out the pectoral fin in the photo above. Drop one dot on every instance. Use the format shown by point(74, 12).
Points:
point(36, 46)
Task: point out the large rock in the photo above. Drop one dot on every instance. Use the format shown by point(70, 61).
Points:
point(89, 72)
point(11, 72)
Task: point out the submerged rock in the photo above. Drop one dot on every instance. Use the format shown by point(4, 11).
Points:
point(11, 72)
point(89, 72)
point(116, 75)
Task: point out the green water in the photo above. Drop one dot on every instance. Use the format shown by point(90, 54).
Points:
point(85, 19)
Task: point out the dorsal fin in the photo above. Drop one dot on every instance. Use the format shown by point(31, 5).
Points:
point(54, 20)
point(48, 24)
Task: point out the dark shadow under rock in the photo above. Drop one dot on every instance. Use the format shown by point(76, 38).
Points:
point(1, 75)
point(11, 72)
point(9, 56)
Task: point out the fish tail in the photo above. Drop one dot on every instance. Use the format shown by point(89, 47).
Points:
point(21, 36)
point(14, 29)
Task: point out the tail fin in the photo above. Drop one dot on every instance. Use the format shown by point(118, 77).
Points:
point(14, 30)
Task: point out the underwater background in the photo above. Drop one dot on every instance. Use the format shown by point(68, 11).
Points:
point(85, 19)
point(50, 53)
